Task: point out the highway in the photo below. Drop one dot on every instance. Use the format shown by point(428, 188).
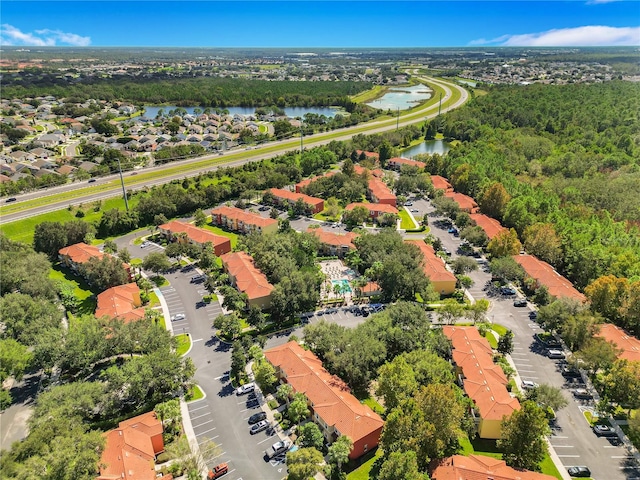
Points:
point(60, 197)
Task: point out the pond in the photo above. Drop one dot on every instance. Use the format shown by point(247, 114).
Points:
point(468, 82)
point(428, 146)
point(402, 98)
point(152, 110)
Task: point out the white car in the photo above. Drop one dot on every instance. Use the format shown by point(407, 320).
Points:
point(529, 385)
point(145, 244)
point(277, 448)
point(246, 388)
point(178, 316)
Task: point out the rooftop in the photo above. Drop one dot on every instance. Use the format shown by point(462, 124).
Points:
point(374, 207)
point(465, 202)
point(293, 196)
point(121, 302)
point(544, 274)
point(434, 267)
point(380, 190)
point(335, 239)
point(406, 161)
point(629, 344)
point(479, 467)
point(491, 226)
point(81, 252)
point(440, 183)
point(248, 278)
point(247, 218)
point(195, 234)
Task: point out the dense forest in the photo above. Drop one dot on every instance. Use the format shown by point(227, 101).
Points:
point(567, 157)
point(205, 92)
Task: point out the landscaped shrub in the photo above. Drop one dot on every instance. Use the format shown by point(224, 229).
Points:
point(273, 404)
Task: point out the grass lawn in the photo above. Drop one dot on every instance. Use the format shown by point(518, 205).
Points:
point(153, 299)
point(194, 393)
point(499, 329)
point(223, 233)
point(373, 404)
point(491, 339)
point(405, 220)
point(363, 471)
point(80, 288)
point(184, 343)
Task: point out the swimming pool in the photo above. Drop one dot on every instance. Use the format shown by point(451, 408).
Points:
point(346, 288)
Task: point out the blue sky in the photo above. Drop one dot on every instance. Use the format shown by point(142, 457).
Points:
point(320, 24)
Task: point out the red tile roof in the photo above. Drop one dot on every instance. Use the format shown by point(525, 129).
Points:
point(374, 207)
point(441, 183)
point(484, 381)
point(131, 448)
point(381, 192)
point(195, 234)
point(465, 202)
point(247, 218)
point(309, 181)
point(406, 161)
point(372, 155)
point(360, 170)
point(491, 226)
point(329, 395)
point(434, 266)
point(629, 344)
point(121, 302)
point(248, 278)
point(334, 239)
point(479, 467)
point(81, 252)
point(293, 197)
point(544, 274)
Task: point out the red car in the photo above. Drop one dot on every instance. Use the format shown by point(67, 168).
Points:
point(218, 471)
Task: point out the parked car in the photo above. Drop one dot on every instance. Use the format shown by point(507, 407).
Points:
point(533, 315)
point(178, 316)
point(91, 180)
point(555, 354)
point(10, 199)
point(145, 244)
point(520, 302)
point(582, 393)
point(197, 279)
point(258, 427)
point(246, 388)
point(570, 372)
point(218, 471)
point(408, 204)
point(277, 448)
point(507, 290)
point(529, 385)
point(579, 471)
point(263, 209)
point(604, 431)
point(257, 417)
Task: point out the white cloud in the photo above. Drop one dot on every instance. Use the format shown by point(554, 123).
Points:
point(10, 35)
point(587, 36)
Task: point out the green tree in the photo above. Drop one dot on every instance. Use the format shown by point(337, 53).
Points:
point(156, 262)
point(304, 463)
point(230, 326)
point(523, 437)
point(494, 200)
point(284, 392)
point(49, 238)
point(597, 354)
point(622, 384)
point(396, 382)
point(169, 414)
point(401, 465)
point(200, 218)
point(450, 311)
point(355, 217)
point(505, 344)
point(298, 408)
point(541, 240)
point(14, 359)
point(265, 375)
point(462, 265)
point(507, 268)
point(504, 244)
point(105, 272)
point(339, 451)
point(124, 255)
point(547, 396)
point(310, 436)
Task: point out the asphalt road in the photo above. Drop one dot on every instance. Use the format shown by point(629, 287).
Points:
point(310, 141)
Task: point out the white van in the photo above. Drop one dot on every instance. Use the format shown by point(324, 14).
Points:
point(555, 354)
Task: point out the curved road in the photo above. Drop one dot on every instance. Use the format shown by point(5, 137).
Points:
point(240, 157)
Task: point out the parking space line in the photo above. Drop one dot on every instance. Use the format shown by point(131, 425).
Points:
point(203, 423)
point(267, 439)
point(200, 416)
point(563, 446)
point(207, 439)
point(199, 408)
point(569, 456)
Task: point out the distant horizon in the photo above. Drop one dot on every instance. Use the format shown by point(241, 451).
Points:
point(311, 24)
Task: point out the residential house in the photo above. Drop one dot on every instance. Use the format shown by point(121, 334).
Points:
point(290, 198)
point(334, 244)
point(360, 170)
point(176, 230)
point(333, 408)
point(66, 169)
point(441, 183)
point(41, 152)
point(480, 467)
point(544, 275)
point(368, 155)
point(483, 381)
point(131, 449)
point(75, 255)
point(121, 302)
point(490, 226)
point(378, 192)
point(465, 202)
point(629, 344)
point(238, 220)
point(396, 163)
point(443, 281)
point(375, 209)
point(49, 140)
point(247, 278)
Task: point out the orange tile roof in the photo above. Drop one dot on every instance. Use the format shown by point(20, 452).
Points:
point(629, 344)
point(329, 395)
point(248, 278)
point(441, 183)
point(131, 448)
point(544, 274)
point(374, 207)
point(465, 202)
point(247, 218)
point(491, 226)
point(434, 266)
point(309, 181)
point(122, 302)
point(372, 155)
point(406, 161)
point(479, 467)
point(334, 239)
point(380, 190)
point(293, 197)
point(195, 234)
point(81, 252)
point(360, 170)
point(484, 381)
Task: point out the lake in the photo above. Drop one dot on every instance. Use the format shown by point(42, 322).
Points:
point(152, 110)
point(428, 146)
point(402, 98)
point(468, 82)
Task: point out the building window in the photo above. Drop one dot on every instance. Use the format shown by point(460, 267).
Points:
point(365, 448)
